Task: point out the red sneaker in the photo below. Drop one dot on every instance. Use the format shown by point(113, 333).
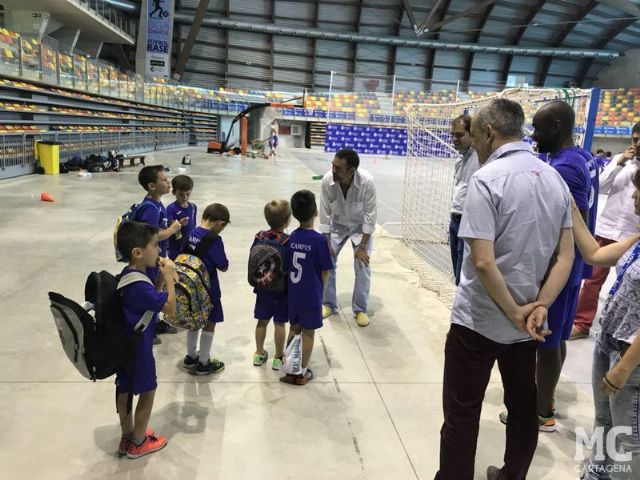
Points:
point(304, 379)
point(124, 442)
point(298, 379)
point(149, 445)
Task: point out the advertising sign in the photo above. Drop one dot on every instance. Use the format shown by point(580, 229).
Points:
point(159, 31)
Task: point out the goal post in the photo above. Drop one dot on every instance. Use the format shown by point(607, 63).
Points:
point(429, 171)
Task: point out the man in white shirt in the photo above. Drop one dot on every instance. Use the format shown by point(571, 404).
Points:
point(465, 166)
point(617, 221)
point(348, 211)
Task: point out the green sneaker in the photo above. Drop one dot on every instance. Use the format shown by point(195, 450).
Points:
point(545, 424)
point(276, 364)
point(259, 360)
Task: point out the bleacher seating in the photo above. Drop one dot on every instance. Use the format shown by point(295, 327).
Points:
point(12, 129)
point(31, 58)
point(9, 54)
point(21, 107)
point(619, 108)
point(406, 97)
point(353, 105)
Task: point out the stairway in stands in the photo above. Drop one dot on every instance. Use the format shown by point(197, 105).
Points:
point(386, 103)
point(318, 133)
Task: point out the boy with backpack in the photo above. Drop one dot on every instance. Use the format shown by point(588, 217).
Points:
point(268, 274)
point(183, 211)
point(138, 243)
point(309, 265)
point(154, 180)
point(214, 220)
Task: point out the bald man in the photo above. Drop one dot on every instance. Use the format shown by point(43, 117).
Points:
point(553, 131)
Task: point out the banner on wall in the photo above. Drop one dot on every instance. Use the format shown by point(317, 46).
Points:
point(159, 32)
point(366, 139)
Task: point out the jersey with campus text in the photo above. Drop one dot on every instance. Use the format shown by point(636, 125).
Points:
point(309, 256)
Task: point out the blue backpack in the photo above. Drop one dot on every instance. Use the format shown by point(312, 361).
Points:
point(128, 216)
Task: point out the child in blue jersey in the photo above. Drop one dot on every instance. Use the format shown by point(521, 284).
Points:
point(154, 180)
point(272, 304)
point(309, 265)
point(214, 220)
point(183, 211)
point(138, 243)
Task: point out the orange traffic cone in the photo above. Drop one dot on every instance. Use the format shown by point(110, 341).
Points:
point(45, 197)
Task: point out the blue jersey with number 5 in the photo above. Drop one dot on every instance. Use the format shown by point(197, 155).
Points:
point(309, 256)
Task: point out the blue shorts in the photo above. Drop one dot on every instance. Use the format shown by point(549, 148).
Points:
point(140, 377)
point(561, 316)
point(270, 305)
point(217, 315)
point(142, 382)
point(307, 318)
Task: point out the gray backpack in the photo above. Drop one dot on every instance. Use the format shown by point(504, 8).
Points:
point(97, 344)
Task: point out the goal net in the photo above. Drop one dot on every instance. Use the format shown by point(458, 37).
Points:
point(429, 175)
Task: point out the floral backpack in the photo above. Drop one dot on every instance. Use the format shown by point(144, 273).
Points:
point(193, 300)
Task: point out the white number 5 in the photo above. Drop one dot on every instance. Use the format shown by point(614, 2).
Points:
point(297, 275)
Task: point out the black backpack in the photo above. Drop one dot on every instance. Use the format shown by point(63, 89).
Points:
point(266, 263)
point(97, 344)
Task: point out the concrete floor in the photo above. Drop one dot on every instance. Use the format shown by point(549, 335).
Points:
point(373, 412)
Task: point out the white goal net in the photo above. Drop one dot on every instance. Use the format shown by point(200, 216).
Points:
point(429, 171)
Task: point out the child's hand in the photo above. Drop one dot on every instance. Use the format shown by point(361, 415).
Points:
point(175, 226)
point(167, 268)
point(183, 221)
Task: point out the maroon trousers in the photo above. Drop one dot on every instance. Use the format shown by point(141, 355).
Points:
point(469, 358)
point(590, 294)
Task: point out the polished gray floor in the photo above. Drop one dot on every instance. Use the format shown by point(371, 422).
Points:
point(373, 412)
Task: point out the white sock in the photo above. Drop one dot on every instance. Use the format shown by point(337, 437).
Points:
point(304, 371)
point(206, 342)
point(192, 342)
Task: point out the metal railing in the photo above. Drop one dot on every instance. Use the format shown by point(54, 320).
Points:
point(18, 150)
point(113, 16)
point(15, 151)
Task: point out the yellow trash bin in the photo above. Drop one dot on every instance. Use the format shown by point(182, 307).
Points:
point(49, 156)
